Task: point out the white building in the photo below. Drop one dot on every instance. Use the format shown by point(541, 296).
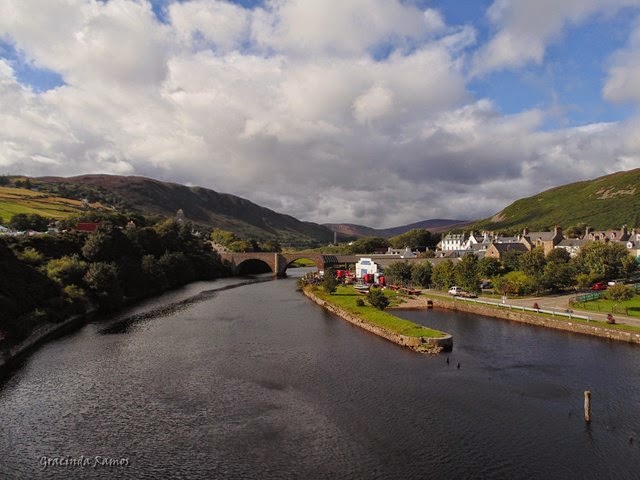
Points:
point(365, 266)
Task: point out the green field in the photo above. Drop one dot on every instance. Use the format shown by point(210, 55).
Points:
point(20, 200)
point(602, 305)
point(345, 298)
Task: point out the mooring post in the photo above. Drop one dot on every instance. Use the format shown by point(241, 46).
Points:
point(587, 406)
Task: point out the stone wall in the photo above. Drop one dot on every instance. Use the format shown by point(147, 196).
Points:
point(427, 345)
point(597, 330)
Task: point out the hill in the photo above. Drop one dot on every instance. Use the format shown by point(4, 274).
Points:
point(348, 230)
point(22, 200)
point(606, 202)
point(200, 205)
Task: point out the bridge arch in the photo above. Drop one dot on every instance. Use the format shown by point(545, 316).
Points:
point(278, 262)
point(253, 266)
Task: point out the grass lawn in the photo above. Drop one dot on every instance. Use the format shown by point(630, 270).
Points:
point(345, 297)
point(628, 307)
point(21, 200)
point(302, 262)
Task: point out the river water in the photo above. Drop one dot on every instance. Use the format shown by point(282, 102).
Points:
point(256, 382)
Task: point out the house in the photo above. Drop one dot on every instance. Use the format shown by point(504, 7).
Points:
point(498, 250)
point(452, 241)
point(406, 253)
point(546, 240)
point(364, 266)
point(572, 245)
point(621, 235)
point(88, 227)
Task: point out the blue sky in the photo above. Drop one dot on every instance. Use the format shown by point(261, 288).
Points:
point(379, 112)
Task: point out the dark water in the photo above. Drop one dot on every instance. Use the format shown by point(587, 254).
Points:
point(258, 383)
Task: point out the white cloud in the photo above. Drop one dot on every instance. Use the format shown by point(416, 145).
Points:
point(623, 81)
point(525, 28)
point(290, 105)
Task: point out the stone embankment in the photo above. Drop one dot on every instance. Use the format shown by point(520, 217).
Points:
point(8, 358)
point(594, 328)
point(418, 344)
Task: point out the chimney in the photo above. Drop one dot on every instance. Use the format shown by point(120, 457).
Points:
point(525, 231)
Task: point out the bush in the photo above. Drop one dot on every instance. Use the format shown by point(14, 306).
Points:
point(619, 293)
point(359, 302)
point(377, 299)
point(329, 281)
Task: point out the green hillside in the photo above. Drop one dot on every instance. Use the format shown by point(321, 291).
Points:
point(21, 200)
point(606, 202)
point(200, 205)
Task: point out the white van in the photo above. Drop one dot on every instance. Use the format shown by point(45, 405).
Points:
point(455, 290)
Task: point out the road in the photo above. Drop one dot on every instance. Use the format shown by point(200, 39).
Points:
point(558, 303)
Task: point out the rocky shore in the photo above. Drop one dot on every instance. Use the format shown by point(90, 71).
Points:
point(418, 344)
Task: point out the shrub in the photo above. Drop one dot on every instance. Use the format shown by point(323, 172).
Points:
point(619, 293)
point(359, 302)
point(377, 299)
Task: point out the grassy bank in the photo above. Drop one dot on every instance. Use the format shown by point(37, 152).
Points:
point(345, 298)
point(616, 326)
point(630, 307)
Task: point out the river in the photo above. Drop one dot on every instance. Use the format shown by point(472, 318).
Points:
point(257, 382)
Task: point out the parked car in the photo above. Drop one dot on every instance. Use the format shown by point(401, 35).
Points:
point(599, 286)
point(486, 285)
point(455, 290)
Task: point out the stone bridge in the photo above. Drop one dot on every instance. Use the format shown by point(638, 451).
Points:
point(278, 262)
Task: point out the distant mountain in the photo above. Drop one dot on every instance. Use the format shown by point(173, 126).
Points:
point(348, 230)
point(200, 205)
point(606, 202)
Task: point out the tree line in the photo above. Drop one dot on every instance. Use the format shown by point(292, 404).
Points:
point(47, 278)
point(521, 273)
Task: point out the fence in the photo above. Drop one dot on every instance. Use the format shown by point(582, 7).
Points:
point(562, 313)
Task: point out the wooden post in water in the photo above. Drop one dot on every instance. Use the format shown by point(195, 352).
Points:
point(587, 406)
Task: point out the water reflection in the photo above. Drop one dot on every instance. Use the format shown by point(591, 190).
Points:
point(257, 382)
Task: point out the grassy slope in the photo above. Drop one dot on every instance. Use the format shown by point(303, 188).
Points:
point(200, 205)
point(345, 298)
point(20, 200)
point(606, 202)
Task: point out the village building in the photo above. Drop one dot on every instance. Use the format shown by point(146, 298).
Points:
point(365, 266)
point(498, 250)
point(572, 245)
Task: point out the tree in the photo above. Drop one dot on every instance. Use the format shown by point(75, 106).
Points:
point(558, 276)
point(222, 237)
point(102, 279)
point(515, 283)
point(68, 270)
point(31, 256)
point(602, 260)
point(368, 245)
point(532, 263)
point(443, 275)
point(558, 255)
point(108, 244)
point(488, 267)
point(421, 274)
point(466, 273)
point(418, 237)
point(29, 221)
point(377, 299)
point(398, 273)
point(511, 260)
point(329, 281)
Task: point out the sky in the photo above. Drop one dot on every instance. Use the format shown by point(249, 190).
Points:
point(374, 112)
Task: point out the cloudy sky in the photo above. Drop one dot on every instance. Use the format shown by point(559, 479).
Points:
point(377, 112)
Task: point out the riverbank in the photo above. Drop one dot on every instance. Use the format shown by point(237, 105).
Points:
point(12, 356)
point(432, 341)
point(583, 327)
